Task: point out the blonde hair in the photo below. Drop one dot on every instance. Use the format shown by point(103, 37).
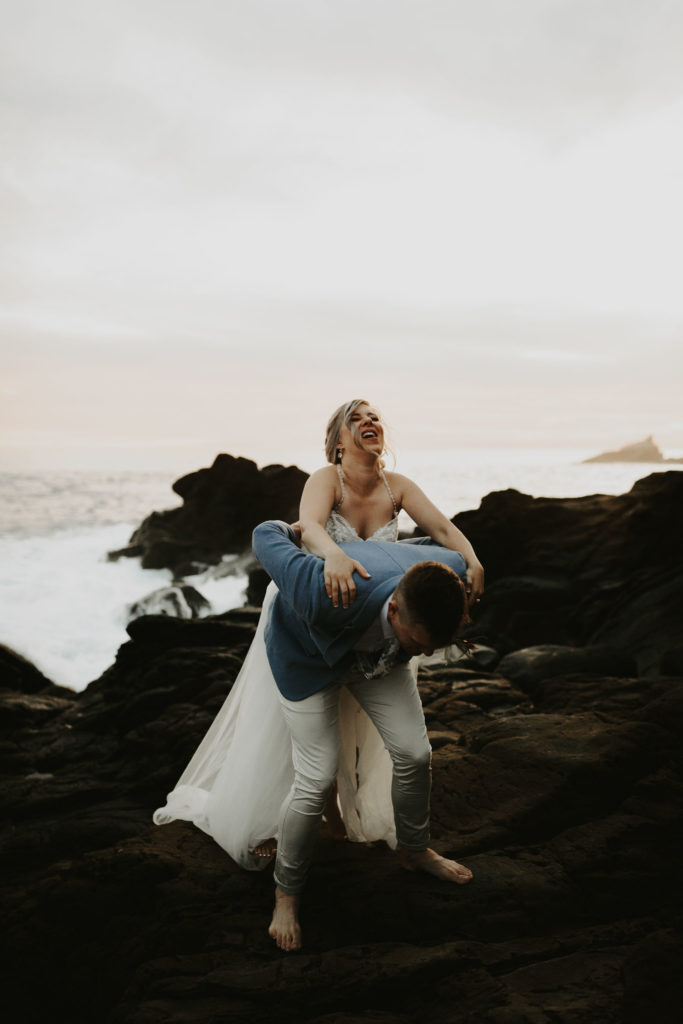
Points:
point(342, 417)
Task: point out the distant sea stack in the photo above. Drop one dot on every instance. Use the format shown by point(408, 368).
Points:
point(639, 451)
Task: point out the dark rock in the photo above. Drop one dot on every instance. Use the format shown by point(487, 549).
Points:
point(517, 609)
point(171, 632)
point(592, 692)
point(247, 613)
point(221, 507)
point(600, 569)
point(18, 709)
point(672, 662)
point(530, 665)
point(257, 586)
point(179, 600)
point(484, 657)
point(130, 551)
point(18, 673)
point(653, 980)
point(569, 816)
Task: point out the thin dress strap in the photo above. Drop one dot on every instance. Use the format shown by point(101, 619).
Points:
point(391, 493)
point(341, 484)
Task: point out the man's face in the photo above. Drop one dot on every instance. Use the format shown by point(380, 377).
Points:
point(412, 636)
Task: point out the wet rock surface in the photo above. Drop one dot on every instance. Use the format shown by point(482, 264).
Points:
point(566, 807)
point(557, 778)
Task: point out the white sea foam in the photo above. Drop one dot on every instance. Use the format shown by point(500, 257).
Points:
point(64, 605)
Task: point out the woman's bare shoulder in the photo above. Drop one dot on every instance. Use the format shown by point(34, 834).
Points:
point(323, 481)
point(326, 474)
point(398, 482)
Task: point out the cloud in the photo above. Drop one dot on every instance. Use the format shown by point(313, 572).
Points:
point(475, 197)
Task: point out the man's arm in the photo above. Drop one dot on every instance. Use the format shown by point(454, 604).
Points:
point(417, 540)
point(299, 576)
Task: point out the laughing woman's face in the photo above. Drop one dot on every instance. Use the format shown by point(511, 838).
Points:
point(364, 430)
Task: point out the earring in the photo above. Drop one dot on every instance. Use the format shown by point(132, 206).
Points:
point(338, 456)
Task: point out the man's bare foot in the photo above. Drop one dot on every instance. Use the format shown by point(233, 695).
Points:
point(268, 848)
point(285, 927)
point(435, 864)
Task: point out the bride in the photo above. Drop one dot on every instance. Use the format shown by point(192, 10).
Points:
point(241, 772)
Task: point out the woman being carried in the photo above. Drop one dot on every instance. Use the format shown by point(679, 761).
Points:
point(238, 778)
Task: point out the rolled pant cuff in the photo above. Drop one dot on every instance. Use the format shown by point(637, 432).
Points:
point(290, 890)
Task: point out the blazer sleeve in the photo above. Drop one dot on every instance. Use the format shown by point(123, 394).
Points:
point(298, 575)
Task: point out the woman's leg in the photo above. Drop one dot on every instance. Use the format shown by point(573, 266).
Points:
point(393, 703)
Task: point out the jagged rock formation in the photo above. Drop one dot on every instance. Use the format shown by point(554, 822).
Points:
point(180, 601)
point(601, 569)
point(221, 506)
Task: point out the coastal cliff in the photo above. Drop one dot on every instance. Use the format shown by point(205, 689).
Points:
point(557, 778)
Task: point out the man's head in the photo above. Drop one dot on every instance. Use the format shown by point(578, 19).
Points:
point(427, 608)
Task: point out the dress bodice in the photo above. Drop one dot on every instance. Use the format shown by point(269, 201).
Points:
point(340, 529)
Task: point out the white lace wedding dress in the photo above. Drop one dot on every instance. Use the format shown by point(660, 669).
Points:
point(241, 772)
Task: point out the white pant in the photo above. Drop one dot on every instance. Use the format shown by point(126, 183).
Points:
point(393, 703)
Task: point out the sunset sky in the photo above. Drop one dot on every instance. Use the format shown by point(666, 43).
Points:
point(222, 219)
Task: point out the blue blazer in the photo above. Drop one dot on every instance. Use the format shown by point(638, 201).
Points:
point(309, 642)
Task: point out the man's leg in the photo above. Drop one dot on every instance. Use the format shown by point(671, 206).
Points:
point(393, 703)
point(313, 727)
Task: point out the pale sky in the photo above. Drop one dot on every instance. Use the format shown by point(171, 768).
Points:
point(222, 219)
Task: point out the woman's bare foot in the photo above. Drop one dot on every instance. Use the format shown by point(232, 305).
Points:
point(435, 864)
point(268, 848)
point(285, 927)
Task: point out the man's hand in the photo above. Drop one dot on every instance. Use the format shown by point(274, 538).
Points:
point(297, 530)
point(475, 582)
point(338, 572)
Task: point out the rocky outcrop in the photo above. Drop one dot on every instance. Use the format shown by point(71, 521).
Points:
point(600, 569)
point(180, 601)
point(566, 804)
point(221, 506)
point(557, 778)
point(639, 451)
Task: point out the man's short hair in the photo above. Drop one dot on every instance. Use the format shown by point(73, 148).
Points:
point(433, 596)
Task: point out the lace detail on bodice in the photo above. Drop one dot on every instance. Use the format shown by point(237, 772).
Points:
point(341, 531)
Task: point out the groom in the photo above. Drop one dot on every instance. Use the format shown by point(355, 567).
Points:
point(408, 606)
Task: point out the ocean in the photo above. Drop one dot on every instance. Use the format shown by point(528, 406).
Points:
point(64, 606)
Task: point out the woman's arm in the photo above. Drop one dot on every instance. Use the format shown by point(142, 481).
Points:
point(442, 531)
point(317, 501)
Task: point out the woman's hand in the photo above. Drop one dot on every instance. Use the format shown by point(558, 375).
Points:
point(338, 572)
point(475, 582)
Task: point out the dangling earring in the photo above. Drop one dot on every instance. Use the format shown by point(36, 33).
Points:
point(338, 456)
